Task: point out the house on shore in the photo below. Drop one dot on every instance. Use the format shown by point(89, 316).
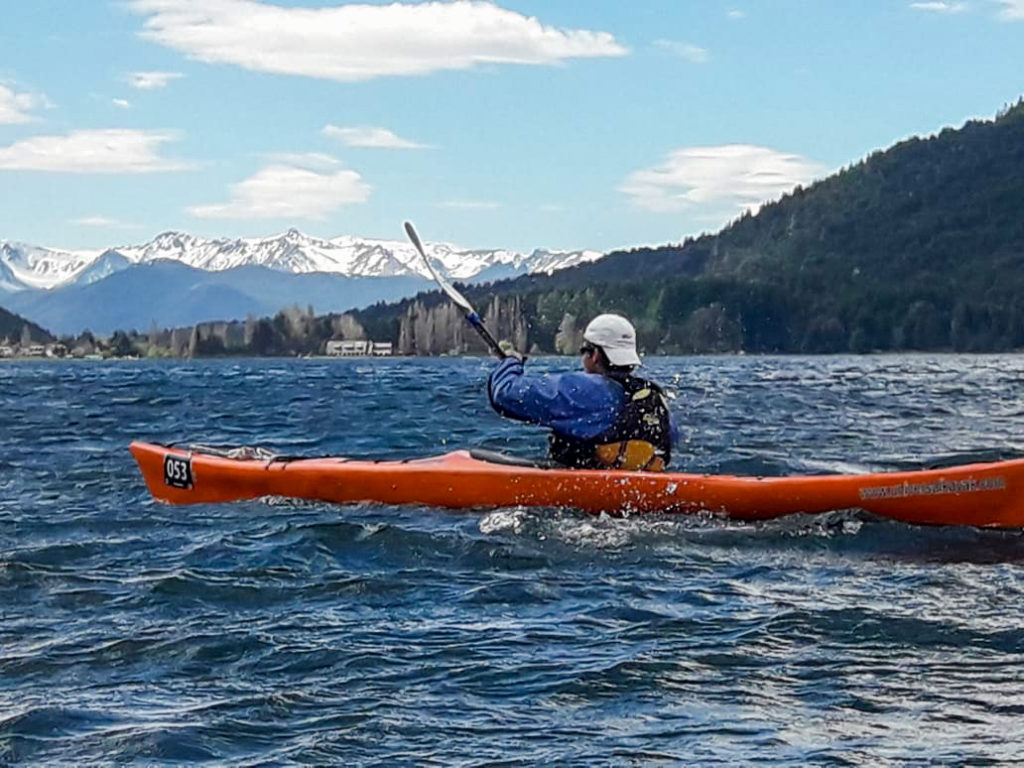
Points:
point(360, 348)
point(56, 349)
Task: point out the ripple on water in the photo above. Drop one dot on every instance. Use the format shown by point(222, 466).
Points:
point(282, 633)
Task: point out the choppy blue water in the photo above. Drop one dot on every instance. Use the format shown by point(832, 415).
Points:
point(278, 634)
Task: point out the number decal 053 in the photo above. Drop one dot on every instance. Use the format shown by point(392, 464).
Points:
point(178, 472)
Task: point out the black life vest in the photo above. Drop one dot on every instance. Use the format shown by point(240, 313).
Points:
point(640, 438)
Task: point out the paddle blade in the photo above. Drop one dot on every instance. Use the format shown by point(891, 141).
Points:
point(453, 294)
point(413, 235)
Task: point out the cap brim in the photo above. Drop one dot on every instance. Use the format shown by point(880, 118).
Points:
point(622, 356)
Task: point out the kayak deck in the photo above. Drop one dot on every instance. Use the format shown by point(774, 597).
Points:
point(990, 494)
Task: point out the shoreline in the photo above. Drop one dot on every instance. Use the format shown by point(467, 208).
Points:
point(365, 358)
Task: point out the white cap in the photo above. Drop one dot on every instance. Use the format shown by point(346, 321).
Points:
point(616, 336)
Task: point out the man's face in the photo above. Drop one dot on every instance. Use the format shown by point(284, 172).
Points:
point(589, 353)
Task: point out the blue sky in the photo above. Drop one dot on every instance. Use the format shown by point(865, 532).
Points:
point(517, 123)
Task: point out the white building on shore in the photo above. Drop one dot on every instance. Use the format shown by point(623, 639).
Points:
point(360, 348)
point(56, 349)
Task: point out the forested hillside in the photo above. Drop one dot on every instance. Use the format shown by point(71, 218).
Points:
point(17, 329)
point(917, 247)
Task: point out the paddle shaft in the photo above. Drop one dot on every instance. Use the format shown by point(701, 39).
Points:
point(460, 301)
point(478, 324)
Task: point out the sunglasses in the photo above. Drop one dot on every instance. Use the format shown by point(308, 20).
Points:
point(588, 349)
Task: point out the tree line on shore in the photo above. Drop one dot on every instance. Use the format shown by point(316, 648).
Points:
point(693, 317)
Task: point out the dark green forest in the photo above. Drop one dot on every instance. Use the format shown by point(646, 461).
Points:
point(17, 329)
point(919, 247)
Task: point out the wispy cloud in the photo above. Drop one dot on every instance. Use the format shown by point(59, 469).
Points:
point(687, 51)
point(121, 103)
point(284, 191)
point(736, 14)
point(92, 151)
point(939, 6)
point(16, 108)
point(102, 222)
point(723, 180)
point(469, 205)
point(311, 161)
point(1013, 10)
point(373, 138)
point(360, 41)
point(151, 81)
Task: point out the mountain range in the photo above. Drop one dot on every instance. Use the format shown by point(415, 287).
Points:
point(180, 279)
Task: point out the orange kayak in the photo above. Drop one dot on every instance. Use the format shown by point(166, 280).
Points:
point(974, 494)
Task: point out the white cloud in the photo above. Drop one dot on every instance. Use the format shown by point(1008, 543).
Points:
point(15, 107)
point(121, 103)
point(939, 6)
point(359, 41)
point(102, 222)
point(151, 81)
point(734, 14)
point(92, 151)
point(469, 205)
point(311, 161)
point(283, 191)
point(1013, 10)
point(373, 138)
point(687, 51)
point(721, 180)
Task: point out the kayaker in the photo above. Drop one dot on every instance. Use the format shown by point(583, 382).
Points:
point(601, 418)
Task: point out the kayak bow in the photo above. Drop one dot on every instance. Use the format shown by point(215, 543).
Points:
point(989, 494)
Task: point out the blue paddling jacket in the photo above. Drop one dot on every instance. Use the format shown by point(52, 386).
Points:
point(587, 412)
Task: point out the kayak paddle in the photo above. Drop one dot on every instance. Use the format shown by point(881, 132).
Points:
point(460, 301)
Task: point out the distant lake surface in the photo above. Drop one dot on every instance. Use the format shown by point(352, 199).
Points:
point(279, 633)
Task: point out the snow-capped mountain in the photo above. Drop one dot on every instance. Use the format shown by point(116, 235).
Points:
point(180, 279)
point(31, 267)
point(25, 267)
point(107, 264)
